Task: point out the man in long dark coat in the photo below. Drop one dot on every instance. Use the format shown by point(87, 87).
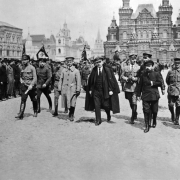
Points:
point(102, 91)
point(147, 90)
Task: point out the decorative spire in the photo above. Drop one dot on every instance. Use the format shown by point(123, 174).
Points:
point(165, 2)
point(126, 4)
point(113, 16)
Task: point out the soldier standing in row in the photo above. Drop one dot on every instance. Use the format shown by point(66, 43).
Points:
point(173, 82)
point(43, 80)
point(129, 76)
point(70, 86)
point(147, 90)
point(28, 86)
point(58, 72)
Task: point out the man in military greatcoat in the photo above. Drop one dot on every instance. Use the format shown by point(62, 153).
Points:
point(102, 91)
point(147, 90)
point(173, 82)
point(129, 76)
point(69, 86)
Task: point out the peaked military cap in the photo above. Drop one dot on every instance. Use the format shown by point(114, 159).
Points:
point(69, 58)
point(25, 57)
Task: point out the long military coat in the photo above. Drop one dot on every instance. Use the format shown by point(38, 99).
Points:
point(69, 83)
point(109, 84)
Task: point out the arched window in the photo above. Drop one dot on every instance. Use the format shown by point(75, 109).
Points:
point(164, 34)
point(139, 34)
point(59, 50)
point(150, 34)
point(144, 35)
point(124, 35)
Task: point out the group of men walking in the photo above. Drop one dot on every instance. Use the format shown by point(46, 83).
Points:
point(139, 82)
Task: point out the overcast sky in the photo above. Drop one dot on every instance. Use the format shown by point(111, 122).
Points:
point(83, 17)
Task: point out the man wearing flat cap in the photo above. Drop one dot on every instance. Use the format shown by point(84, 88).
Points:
point(130, 78)
point(28, 86)
point(173, 82)
point(102, 91)
point(70, 86)
point(43, 80)
point(147, 90)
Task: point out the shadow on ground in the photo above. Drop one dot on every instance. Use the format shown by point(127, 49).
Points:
point(91, 120)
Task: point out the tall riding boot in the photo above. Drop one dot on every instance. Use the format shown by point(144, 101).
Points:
point(146, 118)
point(35, 104)
point(22, 108)
point(55, 107)
point(171, 109)
point(177, 115)
point(154, 120)
point(135, 111)
point(38, 105)
point(72, 109)
point(150, 118)
point(108, 114)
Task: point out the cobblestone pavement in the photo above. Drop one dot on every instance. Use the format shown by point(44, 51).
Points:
point(51, 148)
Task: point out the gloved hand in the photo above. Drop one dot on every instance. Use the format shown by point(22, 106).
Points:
point(44, 85)
point(110, 93)
point(77, 93)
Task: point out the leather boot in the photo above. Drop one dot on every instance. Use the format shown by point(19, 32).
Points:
point(56, 110)
point(38, 106)
point(108, 115)
point(66, 110)
point(22, 108)
point(19, 109)
point(146, 118)
point(72, 109)
point(150, 118)
point(154, 120)
point(171, 109)
point(176, 122)
point(35, 104)
point(134, 113)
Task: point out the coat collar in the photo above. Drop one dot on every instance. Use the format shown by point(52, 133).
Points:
point(72, 68)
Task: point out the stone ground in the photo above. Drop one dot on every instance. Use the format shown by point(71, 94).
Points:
point(51, 148)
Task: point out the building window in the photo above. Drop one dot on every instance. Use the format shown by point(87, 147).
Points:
point(164, 34)
point(59, 41)
point(59, 50)
point(139, 35)
point(178, 34)
point(124, 35)
point(144, 35)
point(150, 34)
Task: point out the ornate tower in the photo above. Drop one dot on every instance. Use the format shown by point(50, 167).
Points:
point(125, 14)
point(165, 22)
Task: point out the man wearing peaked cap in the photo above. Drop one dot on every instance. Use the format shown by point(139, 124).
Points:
point(130, 78)
point(147, 90)
point(28, 86)
point(173, 82)
point(70, 86)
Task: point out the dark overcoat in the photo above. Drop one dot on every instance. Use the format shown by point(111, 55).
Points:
point(3, 74)
point(109, 84)
point(144, 88)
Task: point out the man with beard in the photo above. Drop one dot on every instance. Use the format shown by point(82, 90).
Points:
point(43, 79)
point(147, 90)
point(102, 91)
point(70, 86)
point(58, 72)
point(28, 86)
point(129, 76)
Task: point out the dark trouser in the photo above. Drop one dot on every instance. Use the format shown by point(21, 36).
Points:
point(151, 109)
point(32, 94)
point(17, 85)
point(3, 90)
point(99, 103)
point(45, 91)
